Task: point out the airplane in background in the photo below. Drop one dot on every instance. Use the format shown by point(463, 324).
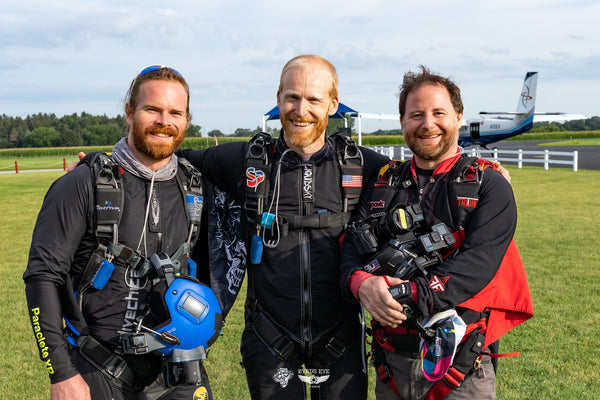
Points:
point(492, 127)
point(485, 129)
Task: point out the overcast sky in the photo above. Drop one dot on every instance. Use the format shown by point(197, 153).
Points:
point(69, 56)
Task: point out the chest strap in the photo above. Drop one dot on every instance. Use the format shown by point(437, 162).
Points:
point(316, 221)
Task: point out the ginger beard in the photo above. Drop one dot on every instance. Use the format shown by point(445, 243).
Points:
point(155, 149)
point(303, 136)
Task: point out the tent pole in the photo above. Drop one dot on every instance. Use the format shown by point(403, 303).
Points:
point(359, 130)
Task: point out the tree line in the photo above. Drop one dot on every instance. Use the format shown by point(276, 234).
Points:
point(48, 130)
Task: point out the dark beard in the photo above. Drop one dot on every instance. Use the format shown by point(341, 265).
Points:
point(432, 153)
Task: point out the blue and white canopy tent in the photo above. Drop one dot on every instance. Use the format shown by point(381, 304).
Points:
point(341, 113)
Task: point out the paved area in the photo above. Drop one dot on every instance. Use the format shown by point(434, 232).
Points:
point(589, 156)
point(25, 171)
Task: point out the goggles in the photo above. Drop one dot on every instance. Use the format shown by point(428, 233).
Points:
point(152, 68)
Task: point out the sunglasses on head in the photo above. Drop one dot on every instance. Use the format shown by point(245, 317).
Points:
point(151, 68)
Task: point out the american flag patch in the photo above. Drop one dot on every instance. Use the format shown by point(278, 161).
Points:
point(351, 180)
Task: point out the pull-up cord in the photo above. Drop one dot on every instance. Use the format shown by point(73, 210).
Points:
point(277, 189)
point(143, 234)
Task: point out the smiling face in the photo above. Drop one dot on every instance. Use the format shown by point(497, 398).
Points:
point(157, 125)
point(430, 125)
point(305, 103)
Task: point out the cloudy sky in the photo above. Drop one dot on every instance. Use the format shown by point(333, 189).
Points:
point(69, 56)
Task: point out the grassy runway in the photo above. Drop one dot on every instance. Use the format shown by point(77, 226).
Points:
point(557, 235)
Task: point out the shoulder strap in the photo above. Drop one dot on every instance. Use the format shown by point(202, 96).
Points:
point(351, 164)
point(258, 171)
point(463, 191)
point(190, 180)
point(390, 180)
point(108, 197)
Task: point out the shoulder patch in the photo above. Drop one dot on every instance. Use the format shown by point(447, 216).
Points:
point(438, 284)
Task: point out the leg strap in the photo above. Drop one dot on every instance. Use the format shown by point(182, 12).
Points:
point(105, 360)
point(384, 373)
point(331, 347)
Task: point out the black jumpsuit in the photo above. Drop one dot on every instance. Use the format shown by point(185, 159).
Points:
point(297, 281)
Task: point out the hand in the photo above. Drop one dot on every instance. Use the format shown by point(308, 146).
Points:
point(374, 295)
point(73, 388)
point(74, 164)
point(498, 167)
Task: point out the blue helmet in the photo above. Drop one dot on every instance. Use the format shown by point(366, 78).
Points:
point(194, 316)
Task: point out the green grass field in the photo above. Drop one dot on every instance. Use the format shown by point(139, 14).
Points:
point(557, 234)
point(28, 163)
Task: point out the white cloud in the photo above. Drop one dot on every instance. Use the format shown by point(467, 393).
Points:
point(69, 56)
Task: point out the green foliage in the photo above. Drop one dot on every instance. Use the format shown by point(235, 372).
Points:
point(590, 124)
point(368, 140)
point(215, 133)
point(557, 135)
point(336, 124)
point(557, 237)
point(47, 130)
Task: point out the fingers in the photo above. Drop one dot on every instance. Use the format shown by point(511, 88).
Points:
point(74, 164)
point(377, 300)
point(502, 170)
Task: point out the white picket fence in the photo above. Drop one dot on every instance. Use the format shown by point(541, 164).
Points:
point(518, 157)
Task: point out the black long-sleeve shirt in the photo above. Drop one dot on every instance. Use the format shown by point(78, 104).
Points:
point(62, 242)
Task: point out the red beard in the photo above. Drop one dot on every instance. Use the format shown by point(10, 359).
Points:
point(303, 137)
point(153, 149)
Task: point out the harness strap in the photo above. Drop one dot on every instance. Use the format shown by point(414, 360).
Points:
point(108, 197)
point(384, 373)
point(277, 341)
point(130, 257)
point(283, 346)
point(464, 363)
point(351, 163)
point(447, 384)
point(190, 179)
point(105, 360)
point(258, 173)
point(317, 221)
point(467, 355)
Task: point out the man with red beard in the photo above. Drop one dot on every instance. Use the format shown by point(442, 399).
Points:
point(481, 277)
point(300, 334)
point(67, 255)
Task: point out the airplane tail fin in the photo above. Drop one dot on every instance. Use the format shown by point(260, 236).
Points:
point(526, 104)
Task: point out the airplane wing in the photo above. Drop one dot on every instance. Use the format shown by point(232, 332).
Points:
point(556, 117)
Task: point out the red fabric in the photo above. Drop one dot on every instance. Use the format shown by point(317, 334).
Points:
point(356, 280)
point(507, 296)
point(443, 167)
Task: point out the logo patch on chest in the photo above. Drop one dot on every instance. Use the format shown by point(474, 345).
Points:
point(307, 183)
